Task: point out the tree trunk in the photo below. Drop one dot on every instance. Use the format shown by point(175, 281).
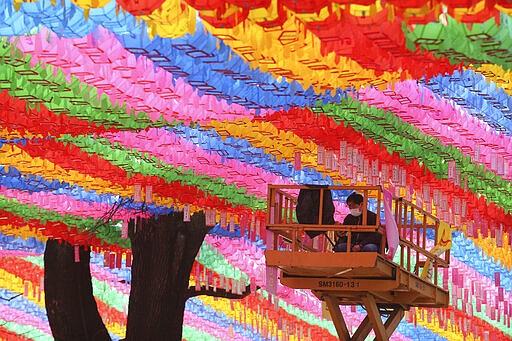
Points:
point(163, 250)
point(70, 305)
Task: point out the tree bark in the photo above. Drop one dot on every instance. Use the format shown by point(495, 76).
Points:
point(70, 305)
point(164, 250)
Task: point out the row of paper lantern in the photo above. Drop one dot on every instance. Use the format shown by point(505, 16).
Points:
point(272, 13)
point(441, 326)
point(492, 114)
point(115, 24)
point(155, 48)
point(110, 298)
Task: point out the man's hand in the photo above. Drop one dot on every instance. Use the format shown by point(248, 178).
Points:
point(356, 248)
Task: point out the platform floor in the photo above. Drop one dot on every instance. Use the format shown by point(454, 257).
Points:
point(349, 277)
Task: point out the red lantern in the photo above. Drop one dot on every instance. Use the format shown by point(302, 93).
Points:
point(140, 7)
point(223, 20)
point(504, 3)
point(208, 5)
point(303, 6)
point(460, 3)
point(250, 4)
point(407, 4)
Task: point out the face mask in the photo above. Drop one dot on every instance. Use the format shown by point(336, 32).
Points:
point(356, 212)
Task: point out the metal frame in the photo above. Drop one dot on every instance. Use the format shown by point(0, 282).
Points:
point(355, 278)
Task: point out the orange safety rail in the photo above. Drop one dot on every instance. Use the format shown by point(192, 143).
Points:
point(413, 223)
point(281, 204)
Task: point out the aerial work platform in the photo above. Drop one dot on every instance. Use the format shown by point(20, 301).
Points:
point(384, 287)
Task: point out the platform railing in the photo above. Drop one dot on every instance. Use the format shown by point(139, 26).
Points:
point(281, 204)
point(412, 222)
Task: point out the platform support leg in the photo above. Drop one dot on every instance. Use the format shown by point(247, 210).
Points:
point(394, 319)
point(363, 330)
point(372, 320)
point(374, 315)
point(337, 318)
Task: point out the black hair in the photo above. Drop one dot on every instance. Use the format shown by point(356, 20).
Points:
point(356, 198)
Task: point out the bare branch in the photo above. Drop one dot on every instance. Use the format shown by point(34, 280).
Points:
point(109, 215)
point(9, 299)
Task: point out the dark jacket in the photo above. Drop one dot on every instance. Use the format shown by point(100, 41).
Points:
point(308, 205)
point(363, 238)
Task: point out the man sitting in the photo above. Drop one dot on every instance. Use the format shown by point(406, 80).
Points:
point(360, 241)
